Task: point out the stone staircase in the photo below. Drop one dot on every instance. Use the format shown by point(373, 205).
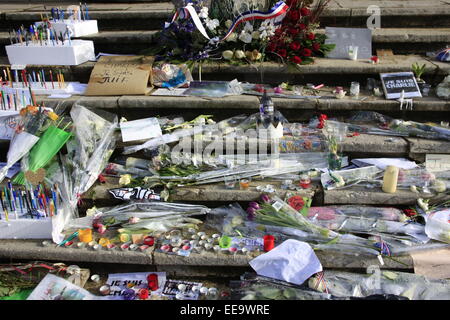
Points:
point(409, 28)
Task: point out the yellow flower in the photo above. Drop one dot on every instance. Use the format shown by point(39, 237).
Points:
point(125, 179)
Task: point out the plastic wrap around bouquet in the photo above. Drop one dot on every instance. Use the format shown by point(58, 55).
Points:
point(26, 135)
point(51, 141)
point(88, 153)
point(410, 286)
point(366, 220)
point(144, 217)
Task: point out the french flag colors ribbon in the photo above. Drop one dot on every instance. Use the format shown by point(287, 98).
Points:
point(277, 13)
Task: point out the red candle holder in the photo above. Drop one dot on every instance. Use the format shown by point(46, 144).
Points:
point(152, 280)
point(269, 243)
point(149, 241)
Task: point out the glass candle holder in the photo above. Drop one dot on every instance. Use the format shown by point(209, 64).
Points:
point(354, 89)
point(244, 184)
point(230, 182)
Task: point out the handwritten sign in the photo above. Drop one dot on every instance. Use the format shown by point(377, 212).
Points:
point(344, 38)
point(120, 75)
point(395, 83)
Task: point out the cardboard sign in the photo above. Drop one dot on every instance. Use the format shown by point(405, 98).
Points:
point(344, 38)
point(395, 83)
point(120, 75)
point(437, 162)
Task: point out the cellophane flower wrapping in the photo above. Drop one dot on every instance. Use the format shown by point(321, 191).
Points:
point(410, 286)
point(88, 153)
point(51, 141)
point(27, 132)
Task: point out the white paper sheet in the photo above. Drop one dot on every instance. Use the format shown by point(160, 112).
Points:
point(382, 163)
point(292, 261)
point(142, 129)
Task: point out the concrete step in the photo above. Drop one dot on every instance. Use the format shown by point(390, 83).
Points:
point(401, 41)
point(137, 107)
point(33, 250)
point(146, 15)
point(331, 72)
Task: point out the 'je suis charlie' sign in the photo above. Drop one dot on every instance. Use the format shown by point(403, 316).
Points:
point(395, 83)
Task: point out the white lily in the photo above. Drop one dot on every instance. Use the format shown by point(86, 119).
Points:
point(204, 13)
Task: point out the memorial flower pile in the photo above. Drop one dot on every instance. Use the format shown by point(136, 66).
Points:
point(243, 32)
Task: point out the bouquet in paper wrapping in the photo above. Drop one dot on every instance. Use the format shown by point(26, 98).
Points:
point(87, 155)
point(51, 141)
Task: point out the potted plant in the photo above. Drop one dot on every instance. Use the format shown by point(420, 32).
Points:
point(418, 72)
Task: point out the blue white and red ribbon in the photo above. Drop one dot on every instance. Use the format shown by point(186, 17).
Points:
point(278, 12)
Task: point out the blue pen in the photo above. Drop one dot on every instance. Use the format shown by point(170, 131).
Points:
point(20, 201)
point(54, 202)
point(86, 11)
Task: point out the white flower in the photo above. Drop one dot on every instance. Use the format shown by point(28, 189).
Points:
point(125, 179)
point(228, 23)
point(267, 29)
point(423, 204)
point(204, 13)
point(91, 211)
point(212, 24)
point(413, 189)
point(227, 55)
point(239, 54)
point(255, 35)
point(248, 27)
point(245, 37)
point(232, 37)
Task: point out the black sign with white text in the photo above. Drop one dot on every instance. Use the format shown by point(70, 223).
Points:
point(395, 83)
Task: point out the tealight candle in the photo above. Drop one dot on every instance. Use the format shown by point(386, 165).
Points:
point(85, 235)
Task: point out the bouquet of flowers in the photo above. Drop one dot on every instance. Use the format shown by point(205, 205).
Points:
point(49, 144)
point(243, 31)
point(295, 40)
point(26, 134)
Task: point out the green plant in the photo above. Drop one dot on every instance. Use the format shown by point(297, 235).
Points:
point(418, 70)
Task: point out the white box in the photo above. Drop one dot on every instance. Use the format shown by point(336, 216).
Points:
point(78, 52)
point(78, 28)
point(26, 228)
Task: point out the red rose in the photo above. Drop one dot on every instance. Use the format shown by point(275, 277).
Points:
point(279, 31)
point(271, 47)
point(295, 46)
point(294, 15)
point(316, 46)
point(282, 53)
point(294, 31)
point(306, 52)
point(305, 12)
point(296, 202)
point(302, 26)
point(310, 36)
point(296, 59)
